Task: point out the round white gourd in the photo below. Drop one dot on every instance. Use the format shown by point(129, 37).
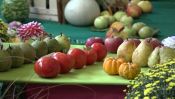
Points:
point(81, 12)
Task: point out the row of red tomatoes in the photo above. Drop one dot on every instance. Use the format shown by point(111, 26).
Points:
point(55, 63)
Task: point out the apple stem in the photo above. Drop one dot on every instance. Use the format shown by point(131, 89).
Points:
point(50, 35)
point(61, 34)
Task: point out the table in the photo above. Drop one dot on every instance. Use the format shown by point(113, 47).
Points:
point(78, 79)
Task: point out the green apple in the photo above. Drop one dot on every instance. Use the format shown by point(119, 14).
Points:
point(146, 32)
point(40, 48)
point(126, 20)
point(135, 2)
point(138, 25)
point(105, 12)
point(118, 15)
point(52, 45)
point(130, 31)
point(110, 18)
point(146, 6)
point(64, 42)
point(101, 22)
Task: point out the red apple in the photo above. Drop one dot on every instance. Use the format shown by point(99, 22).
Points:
point(72, 60)
point(112, 43)
point(134, 10)
point(47, 67)
point(154, 42)
point(92, 40)
point(136, 42)
point(91, 56)
point(79, 56)
point(64, 60)
point(100, 50)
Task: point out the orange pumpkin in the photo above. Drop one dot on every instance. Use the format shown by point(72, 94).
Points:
point(111, 65)
point(129, 70)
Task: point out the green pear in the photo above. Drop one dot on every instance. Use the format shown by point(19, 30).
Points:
point(141, 53)
point(29, 52)
point(5, 60)
point(154, 57)
point(52, 45)
point(64, 42)
point(40, 48)
point(17, 55)
point(166, 54)
point(126, 50)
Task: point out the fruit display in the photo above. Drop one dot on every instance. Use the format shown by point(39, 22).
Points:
point(111, 65)
point(20, 9)
point(129, 70)
point(136, 30)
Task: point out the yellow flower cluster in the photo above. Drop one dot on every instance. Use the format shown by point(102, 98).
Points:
point(3, 27)
point(158, 83)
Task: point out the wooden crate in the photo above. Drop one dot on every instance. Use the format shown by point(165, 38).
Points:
point(47, 9)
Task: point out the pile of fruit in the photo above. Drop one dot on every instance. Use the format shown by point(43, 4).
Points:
point(132, 52)
point(61, 63)
point(121, 23)
point(17, 54)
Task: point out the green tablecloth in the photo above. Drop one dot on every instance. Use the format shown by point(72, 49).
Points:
point(93, 74)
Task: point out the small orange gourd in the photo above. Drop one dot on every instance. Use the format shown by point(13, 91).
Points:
point(129, 70)
point(111, 65)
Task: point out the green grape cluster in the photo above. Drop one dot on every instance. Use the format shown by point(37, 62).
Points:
point(158, 83)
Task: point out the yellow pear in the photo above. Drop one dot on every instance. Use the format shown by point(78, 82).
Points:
point(126, 50)
point(166, 54)
point(154, 57)
point(141, 53)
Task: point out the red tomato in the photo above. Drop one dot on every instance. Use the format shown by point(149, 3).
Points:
point(100, 50)
point(47, 67)
point(64, 60)
point(91, 56)
point(72, 60)
point(79, 56)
